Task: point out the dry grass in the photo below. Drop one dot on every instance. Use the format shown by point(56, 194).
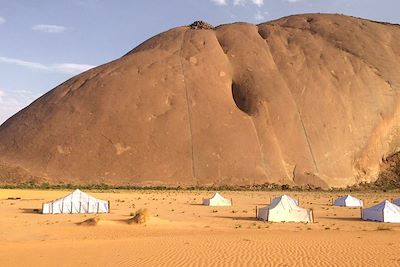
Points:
point(90, 222)
point(139, 217)
point(383, 228)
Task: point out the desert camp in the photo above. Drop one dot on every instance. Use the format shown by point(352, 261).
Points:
point(176, 217)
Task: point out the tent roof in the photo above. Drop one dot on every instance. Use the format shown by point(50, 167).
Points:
point(284, 202)
point(76, 193)
point(385, 205)
point(216, 196)
point(350, 197)
point(284, 197)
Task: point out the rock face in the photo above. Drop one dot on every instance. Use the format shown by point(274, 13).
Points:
point(308, 99)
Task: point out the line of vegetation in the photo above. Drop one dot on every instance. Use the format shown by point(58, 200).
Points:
point(260, 187)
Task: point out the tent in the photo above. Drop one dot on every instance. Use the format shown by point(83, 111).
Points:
point(293, 200)
point(382, 212)
point(284, 209)
point(76, 202)
point(396, 201)
point(348, 201)
point(217, 200)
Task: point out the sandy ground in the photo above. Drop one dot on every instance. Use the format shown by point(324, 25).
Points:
point(181, 232)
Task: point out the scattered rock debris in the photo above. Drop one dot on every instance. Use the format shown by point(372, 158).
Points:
point(201, 25)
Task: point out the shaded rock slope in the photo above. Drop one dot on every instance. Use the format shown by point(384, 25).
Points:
point(306, 99)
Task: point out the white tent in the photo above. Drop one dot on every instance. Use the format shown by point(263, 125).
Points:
point(284, 209)
point(382, 212)
point(348, 201)
point(76, 202)
point(293, 200)
point(396, 201)
point(217, 200)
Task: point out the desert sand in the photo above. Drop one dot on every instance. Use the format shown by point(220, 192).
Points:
point(306, 99)
point(181, 232)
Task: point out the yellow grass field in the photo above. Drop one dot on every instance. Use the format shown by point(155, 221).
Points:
point(182, 232)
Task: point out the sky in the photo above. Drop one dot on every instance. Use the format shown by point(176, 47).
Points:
point(45, 42)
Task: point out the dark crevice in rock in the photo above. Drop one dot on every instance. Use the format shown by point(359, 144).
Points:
point(263, 32)
point(223, 47)
point(243, 99)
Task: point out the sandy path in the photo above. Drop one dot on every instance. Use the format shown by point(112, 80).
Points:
point(182, 233)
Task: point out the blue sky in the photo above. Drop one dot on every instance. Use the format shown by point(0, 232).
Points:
point(45, 42)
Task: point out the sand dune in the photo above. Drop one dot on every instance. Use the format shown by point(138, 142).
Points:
point(181, 232)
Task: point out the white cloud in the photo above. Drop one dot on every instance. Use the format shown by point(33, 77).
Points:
point(48, 28)
point(67, 68)
point(258, 3)
point(72, 68)
point(11, 101)
point(219, 2)
point(2, 20)
point(22, 63)
point(293, 1)
point(239, 2)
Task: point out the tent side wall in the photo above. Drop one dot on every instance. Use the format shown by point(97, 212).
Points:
point(372, 215)
point(74, 207)
point(46, 208)
point(206, 201)
point(354, 203)
point(391, 216)
point(279, 215)
point(339, 202)
point(216, 201)
point(311, 215)
point(220, 202)
point(263, 213)
point(348, 202)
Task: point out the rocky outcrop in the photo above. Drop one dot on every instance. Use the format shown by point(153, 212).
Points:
point(307, 99)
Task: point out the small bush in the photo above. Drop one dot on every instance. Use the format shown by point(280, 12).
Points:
point(140, 216)
point(383, 228)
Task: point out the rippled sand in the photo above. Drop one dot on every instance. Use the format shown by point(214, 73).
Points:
point(181, 232)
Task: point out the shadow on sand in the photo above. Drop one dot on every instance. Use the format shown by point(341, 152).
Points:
point(32, 211)
point(238, 218)
point(349, 219)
